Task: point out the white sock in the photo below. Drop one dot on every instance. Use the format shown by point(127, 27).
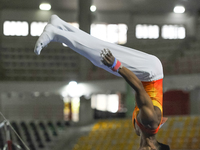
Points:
point(45, 38)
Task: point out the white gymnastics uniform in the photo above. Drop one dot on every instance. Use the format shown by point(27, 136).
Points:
point(145, 66)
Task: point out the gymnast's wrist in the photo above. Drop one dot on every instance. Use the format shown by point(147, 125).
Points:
point(116, 65)
point(120, 67)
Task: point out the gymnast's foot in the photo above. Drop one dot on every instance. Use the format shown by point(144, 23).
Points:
point(45, 38)
point(56, 22)
point(60, 24)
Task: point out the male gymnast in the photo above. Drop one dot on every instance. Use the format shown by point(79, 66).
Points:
point(142, 71)
point(147, 117)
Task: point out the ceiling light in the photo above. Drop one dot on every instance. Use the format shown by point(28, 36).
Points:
point(73, 89)
point(45, 6)
point(179, 9)
point(93, 8)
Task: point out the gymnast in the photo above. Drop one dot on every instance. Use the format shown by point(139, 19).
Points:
point(142, 71)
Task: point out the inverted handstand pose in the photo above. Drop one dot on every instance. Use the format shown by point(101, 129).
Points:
point(142, 71)
point(147, 116)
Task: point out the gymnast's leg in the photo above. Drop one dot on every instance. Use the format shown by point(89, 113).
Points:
point(146, 67)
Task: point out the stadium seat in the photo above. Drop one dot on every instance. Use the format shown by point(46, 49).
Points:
point(181, 132)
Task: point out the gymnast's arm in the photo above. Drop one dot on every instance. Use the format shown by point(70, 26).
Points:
point(147, 114)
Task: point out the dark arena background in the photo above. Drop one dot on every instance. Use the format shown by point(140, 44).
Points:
point(60, 101)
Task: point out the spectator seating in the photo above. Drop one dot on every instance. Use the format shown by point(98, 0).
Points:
point(37, 135)
point(181, 133)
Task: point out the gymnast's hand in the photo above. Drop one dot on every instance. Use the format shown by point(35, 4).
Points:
point(107, 58)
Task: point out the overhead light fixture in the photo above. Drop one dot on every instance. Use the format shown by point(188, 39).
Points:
point(45, 6)
point(73, 89)
point(93, 8)
point(179, 9)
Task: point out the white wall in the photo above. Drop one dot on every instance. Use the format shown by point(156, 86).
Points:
point(105, 86)
point(19, 100)
point(185, 82)
point(27, 106)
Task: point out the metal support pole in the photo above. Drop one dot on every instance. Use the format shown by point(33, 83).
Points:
point(8, 138)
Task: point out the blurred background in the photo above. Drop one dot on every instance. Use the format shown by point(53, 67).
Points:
point(61, 101)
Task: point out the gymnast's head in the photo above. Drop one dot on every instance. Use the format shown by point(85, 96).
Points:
point(155, 145)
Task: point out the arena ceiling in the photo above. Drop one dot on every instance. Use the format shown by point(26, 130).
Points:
point(135, 6)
